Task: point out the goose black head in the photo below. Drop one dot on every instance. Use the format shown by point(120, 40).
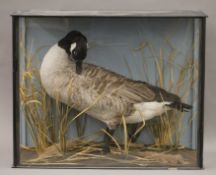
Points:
point(75, 44)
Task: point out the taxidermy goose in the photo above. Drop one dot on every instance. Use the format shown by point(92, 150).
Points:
point(64, 76)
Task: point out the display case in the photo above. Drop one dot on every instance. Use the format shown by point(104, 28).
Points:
point(108, 89)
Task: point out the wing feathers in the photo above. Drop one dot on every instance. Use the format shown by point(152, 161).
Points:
point(118, 85)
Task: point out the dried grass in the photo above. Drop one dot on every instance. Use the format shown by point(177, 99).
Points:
point(82, 151)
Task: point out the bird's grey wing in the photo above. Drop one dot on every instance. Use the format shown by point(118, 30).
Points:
point(135, 91)
point(118, 85)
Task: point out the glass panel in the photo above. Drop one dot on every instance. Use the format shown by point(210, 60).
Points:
point(163, 52)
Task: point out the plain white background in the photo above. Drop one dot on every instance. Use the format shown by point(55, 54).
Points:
point(9, 6)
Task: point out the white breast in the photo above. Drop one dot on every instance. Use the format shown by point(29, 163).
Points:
point(52, 71)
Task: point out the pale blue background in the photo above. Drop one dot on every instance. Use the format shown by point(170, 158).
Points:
point(111, 42)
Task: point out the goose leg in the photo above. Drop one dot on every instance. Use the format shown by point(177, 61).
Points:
point(107, 140)
point(132, 130)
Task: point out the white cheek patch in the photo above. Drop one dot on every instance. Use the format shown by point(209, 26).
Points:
point(72, 47)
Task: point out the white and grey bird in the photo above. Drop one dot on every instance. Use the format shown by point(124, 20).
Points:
point(66, 77)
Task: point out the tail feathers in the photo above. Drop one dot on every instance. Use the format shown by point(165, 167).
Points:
point(186, 107)
point(183, 107)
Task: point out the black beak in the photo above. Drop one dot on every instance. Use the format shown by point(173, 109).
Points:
point(79, 66)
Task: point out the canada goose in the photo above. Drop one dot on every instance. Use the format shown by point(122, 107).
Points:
point(79, 84)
